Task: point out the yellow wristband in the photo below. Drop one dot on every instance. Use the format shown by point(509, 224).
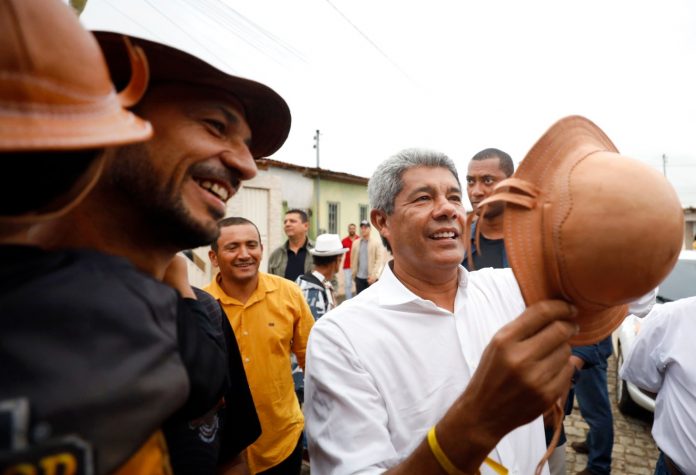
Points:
point(440, 456)
point(447, 464)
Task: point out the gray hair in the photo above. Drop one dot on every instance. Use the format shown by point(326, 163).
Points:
point(386, 182)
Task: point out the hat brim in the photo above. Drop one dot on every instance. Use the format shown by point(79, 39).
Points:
point(93, 126)
point(554, 153)
point(328, 253)
point(266, 112)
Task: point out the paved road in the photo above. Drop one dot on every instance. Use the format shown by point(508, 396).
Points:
point(634, 451)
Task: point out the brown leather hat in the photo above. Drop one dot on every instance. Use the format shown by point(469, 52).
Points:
point(55, 91)
point(266, 112)
point(588, 225)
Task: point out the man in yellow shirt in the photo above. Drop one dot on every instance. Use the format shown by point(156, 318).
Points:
point(270, 319)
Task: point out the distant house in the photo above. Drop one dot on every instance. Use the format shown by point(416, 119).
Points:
point(331, 199)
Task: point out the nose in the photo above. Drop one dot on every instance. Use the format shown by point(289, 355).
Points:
point(477, 190)
point(243, 252)
point(240, 160)
point(445, 208)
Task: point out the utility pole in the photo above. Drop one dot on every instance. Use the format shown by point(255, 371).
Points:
point(317, 210)
point(664, 164)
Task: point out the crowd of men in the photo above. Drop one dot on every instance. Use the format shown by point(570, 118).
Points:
point(110, 362)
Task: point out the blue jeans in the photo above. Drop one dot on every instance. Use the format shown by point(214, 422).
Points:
point(661, 466)
point(592, 394)
point(348, 279)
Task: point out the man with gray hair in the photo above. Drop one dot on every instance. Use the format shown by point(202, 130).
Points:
point(487, 367)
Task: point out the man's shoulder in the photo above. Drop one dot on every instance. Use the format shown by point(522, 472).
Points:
point(272, 282)
point(280, 249)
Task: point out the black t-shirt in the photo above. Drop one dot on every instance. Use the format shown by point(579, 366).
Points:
point(200, 445)
point(296, 263)
point(89, 357)
point(489, 254)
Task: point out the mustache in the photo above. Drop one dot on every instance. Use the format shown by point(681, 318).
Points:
point(215, 171)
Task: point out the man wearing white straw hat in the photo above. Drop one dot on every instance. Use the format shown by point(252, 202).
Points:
point(316, 285)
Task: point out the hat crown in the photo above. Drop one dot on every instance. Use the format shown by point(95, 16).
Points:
point(328, 245)
point(52, 68)
point(615, 241)
point(584, 229)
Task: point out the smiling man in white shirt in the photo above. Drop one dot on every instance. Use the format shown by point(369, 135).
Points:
point(426, 371)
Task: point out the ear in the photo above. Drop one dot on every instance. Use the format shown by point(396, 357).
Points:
point(379, 221)
point(213, 258)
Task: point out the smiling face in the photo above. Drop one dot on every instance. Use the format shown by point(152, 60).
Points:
point(481, 177)
point(195, 162)
point(427, 222)
point(239, 253)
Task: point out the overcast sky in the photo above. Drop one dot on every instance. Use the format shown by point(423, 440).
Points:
point(376, 76)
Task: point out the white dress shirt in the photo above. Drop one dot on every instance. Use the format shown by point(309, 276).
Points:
point(385, 366)
point(663, 361)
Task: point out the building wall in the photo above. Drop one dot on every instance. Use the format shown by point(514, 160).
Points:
point(349, 198)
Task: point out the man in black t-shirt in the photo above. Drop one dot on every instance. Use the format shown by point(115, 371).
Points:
point(486, 169)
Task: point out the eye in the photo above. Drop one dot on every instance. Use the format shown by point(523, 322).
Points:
point(488, 180)
point(470, 181)
point(217, 125)
point(423, 198)
point(455, 198)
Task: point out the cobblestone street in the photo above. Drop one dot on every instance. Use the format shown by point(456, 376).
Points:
point(634, 451)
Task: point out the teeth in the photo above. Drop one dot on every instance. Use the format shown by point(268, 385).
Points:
point(218, 190)
point(448, 234)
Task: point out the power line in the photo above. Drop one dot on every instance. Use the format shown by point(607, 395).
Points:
point(374, 45)
point(143, 27)
point(256, 28)
point(183, 30)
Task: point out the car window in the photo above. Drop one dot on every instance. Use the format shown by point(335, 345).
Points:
point(680, 283)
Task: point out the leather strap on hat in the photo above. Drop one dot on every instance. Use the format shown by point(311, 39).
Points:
point(140, 75)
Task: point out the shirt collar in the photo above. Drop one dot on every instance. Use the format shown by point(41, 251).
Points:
point(392, 292)
point(264, 286)
point(319, 276)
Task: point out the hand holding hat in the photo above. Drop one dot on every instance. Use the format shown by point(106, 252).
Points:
point(580, 225)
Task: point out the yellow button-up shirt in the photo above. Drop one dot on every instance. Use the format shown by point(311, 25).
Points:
point(273, 322)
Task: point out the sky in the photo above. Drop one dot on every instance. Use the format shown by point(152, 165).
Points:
point(377, 76)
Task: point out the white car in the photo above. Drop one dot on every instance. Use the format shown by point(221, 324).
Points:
point(680, 283)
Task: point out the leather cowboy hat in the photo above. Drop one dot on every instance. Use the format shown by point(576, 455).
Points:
point(56, 100)
point(55, 91)
point(266, 112)
point(585, 224)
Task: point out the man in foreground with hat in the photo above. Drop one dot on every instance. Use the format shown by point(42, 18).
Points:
point(69, 403)
point(271, 320)
point(167, 195)
point(316, 285)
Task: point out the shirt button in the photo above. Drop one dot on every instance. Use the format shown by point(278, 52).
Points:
point(245, 333)
point(246, 359)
